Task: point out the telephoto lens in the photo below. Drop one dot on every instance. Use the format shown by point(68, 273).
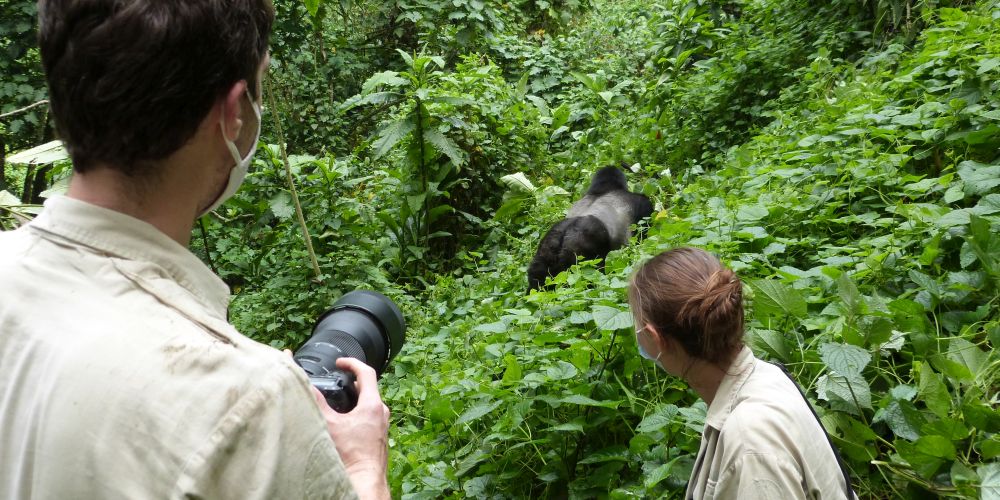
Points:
point(362, 324)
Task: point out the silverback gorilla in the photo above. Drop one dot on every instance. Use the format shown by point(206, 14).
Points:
point(594, 226)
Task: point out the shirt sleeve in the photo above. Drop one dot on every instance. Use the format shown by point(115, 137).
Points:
point(760, 476)
point(272, 443)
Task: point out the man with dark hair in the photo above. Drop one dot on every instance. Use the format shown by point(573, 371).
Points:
point(122, 377)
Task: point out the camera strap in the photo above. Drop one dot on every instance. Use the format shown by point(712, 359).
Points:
point(840, 462)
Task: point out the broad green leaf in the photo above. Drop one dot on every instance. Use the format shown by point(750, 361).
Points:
point(312, 6)
point(750, 213)
point(950, 428)
point(569, 427)
point(770, 341)
point(934, 393)
point(848, 292)
point(390, 78)
point(926, 465)
point(392, 134)
point(561, 371)
point(962, 474)
point(987, 65)
point(979, 178)
point(615, 453)
point(580, 317)
point(496, 327)
point(903, 418)
point(844, 359)
point(518, 182)
point(989, 474)
point(611, 318)
point(774, 297)
point(478, 411)
point(660, 473)
point(578, 399)
point(967, 354)
point(512, 374)
point(936, 446)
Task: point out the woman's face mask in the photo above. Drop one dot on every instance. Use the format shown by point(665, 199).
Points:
point(239, 170)
point(644, 353)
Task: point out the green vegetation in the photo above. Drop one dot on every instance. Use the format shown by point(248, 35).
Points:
point(842, 156)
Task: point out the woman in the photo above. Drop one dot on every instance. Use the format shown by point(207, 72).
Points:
point(762, 440)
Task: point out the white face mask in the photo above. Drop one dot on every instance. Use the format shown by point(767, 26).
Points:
point(239, 171)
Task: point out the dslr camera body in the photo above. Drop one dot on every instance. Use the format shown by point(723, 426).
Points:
point(361, 324)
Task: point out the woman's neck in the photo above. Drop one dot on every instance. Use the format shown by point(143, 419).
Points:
point(705, 377)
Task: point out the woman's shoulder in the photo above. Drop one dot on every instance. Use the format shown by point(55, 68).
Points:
point(769, 408)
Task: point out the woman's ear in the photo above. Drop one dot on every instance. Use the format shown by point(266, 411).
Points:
point(662, 341)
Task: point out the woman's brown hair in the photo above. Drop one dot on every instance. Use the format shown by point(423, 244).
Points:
point(687, 294)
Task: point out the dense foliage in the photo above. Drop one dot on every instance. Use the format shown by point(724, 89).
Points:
point(841, 156)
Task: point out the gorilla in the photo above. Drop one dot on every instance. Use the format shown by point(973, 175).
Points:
point(594, 226)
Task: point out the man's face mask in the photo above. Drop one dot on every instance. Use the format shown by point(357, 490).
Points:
point(239, 171)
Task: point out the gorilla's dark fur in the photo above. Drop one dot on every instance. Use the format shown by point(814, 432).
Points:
point(594, 226)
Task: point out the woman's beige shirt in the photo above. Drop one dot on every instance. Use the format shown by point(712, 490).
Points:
point(761, 441)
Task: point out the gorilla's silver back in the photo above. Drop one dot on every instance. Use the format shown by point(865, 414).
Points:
point(612, 209)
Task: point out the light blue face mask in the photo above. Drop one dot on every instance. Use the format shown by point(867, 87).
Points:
point(642, 350)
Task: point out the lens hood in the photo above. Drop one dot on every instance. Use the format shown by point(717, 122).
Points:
point(383, 311)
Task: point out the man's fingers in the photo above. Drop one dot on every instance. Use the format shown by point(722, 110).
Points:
point(367, 379)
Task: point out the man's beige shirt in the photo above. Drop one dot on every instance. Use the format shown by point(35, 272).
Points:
point(120, 377)
point(761, 441)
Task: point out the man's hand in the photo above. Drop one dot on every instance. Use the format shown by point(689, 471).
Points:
point(361, 435)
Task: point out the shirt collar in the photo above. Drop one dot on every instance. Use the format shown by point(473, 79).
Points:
point(124, 236)
point(725, 397)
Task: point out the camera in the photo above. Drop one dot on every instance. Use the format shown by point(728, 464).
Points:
point(361, 324)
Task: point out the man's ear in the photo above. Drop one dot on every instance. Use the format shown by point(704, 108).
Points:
point(232, 110)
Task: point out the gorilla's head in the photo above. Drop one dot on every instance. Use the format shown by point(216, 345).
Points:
point(606, 180)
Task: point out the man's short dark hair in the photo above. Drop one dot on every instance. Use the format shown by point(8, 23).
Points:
point(131, 80)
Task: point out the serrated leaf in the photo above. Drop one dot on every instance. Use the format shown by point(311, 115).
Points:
point(445, 146)
point(844, 359)
point(773, 342)
point(392, 134)
point(845, 393)
point(281, 206)
point(774, 297)
point(663, 416)
point(611, 318)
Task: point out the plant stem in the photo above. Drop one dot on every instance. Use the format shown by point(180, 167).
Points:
point(291, 182)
